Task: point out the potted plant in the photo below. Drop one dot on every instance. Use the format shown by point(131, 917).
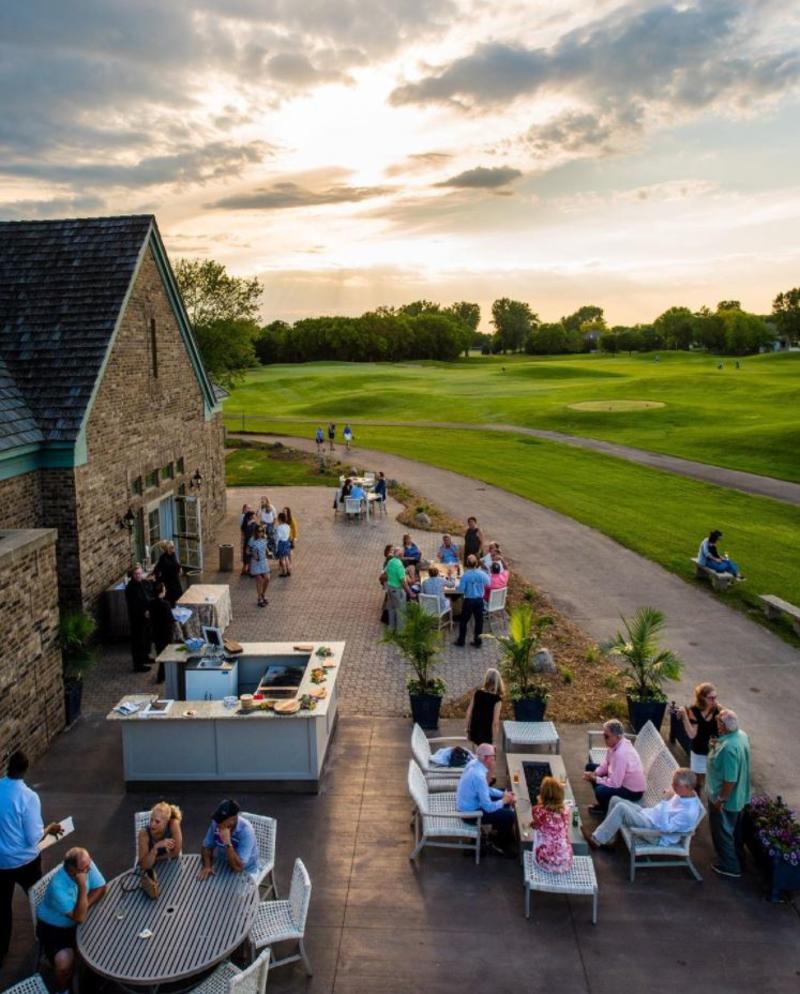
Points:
point(76, 631)
point(646, 666)
point(517, 664)
point(419, 641)
point(772, 833)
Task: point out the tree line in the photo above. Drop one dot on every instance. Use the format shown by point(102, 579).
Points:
point(224, 311)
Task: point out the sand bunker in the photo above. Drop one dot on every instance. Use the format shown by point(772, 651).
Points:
point(616, 405)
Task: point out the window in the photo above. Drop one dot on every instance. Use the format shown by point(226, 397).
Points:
point(153, 529)
point(182, 489)
point(153, 348)
point(168, 472)
point(151, 480)
point(137, 537)
point(180, 467)
point(136, 486)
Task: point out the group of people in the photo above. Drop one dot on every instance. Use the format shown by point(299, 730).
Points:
point(719, 761)
point(78, 885)
point(352, 488)
point(266, 533)
point(150, 602)
point(319, 437)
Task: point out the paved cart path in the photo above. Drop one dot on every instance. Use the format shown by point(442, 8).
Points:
point(594, 580)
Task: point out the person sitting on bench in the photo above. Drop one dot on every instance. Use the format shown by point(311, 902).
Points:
point(708, 556)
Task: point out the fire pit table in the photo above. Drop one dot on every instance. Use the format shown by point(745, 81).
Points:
point(525, 773)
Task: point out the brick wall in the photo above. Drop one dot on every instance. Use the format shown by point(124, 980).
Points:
point(31, 687)
point(20, 500)
point(140, 422)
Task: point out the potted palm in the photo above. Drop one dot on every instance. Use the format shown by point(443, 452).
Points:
point(419, 641)
point(76, 631)
point(517, 663)
point(646, 666)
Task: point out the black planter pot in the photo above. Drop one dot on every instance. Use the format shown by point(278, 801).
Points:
point(780, 876)
point(640, 712)
point(425, 710)
point(529, 709)
point(73, 692)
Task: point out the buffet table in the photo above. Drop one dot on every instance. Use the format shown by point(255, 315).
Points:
point(210, 604)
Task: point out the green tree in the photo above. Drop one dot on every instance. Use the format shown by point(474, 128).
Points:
point(786, 311)
point(591, 332)
point(547, 339)
point(589, 312)
point(628, 339)
point(227, 348)
point(513, 321)
point(470, 316)
point(728, 305)
point(210, 293)
point(744, 333)
point(677, 327)
point(417, 307)
point(608, 341)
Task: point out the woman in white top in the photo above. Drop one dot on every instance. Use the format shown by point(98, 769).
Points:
point(267, 515)
point(284, 550)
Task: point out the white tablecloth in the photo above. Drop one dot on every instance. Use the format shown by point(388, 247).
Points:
point(210, 604)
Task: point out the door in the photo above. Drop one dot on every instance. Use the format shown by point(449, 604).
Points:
point(188, 533)
point(166, 517)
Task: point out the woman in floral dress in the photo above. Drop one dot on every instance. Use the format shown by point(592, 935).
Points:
point(550, 821)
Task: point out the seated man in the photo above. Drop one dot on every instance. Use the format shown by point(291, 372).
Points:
point(411, 553)
point(357, 492)
point(231, 838)
point(708, 556)
point(678, 813)
point(475, 794)
point(448, 550)
point(380, 487)
point(76, 887)
point(498, 578)
point(435, 585)
point(492, 556)
point(620, 774)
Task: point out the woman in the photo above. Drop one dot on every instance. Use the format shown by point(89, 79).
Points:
point(161, 839)
point(411, 553)
point(434, 585)
point(291, 521)
point(473, 540)
point(162, 624)
point(413, 582)
point(284, 550)
point(247, 528)
point(483, 713)
point(700, 724)
point(267, 515)
point(550, 821)
point(168, 572)
point(498, 578)
point(259, 566)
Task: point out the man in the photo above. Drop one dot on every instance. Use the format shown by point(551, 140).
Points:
point(138, 601)
point(475, 794)
point(678, 813)
point(728, 788)
point(232, 838)
point(397, 589)
point(448, 551)
point(380, 487)
point(620, 774)
point(76, 888)
point(21, 831)
point(331, 434)
point(319, 438)
point(708, 556)
point(357, 492)
point(472, 585)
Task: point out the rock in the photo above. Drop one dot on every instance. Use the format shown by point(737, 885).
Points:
point(422, 519)
point(543, 662)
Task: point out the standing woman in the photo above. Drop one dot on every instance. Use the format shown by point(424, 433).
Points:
point(284, 551)
point(700, 724)
point(483, 713)
point(291, 521)
point(162, 624)
point(473, 540)
point(259, 567)
point(168, 572)
point(248, 519)
point(268, 514)
point(161, 839)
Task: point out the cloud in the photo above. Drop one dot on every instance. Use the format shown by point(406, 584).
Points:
point(483, 178)
point(287, 195)
point(419, 163)
point(16, 210)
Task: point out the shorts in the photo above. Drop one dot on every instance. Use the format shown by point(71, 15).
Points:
point(54, 938)
point(697, 763)
point(284, 548)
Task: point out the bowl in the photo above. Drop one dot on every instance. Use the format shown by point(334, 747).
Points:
point(194, 645)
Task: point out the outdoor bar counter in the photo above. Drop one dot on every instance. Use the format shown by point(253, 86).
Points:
point(203, 740)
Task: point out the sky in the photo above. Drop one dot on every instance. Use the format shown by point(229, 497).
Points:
point(354, 153)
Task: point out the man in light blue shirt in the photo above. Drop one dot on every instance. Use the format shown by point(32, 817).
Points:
point(21, 831)
point(448, 551)
point(472, 585)
point(357, 492)
point(475, 794)
point(232, 838)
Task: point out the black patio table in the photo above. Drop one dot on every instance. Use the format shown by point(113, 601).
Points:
point(195, 924)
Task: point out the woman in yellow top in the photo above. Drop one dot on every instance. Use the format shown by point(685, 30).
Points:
point(291, 521)
point(161, 839)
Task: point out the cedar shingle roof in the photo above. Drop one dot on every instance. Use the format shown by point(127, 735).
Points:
point(62, 285)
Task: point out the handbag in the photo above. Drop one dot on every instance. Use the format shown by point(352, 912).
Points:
point(149, 883)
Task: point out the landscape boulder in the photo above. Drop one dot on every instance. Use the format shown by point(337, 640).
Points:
point(422, 519)
point(543, 662)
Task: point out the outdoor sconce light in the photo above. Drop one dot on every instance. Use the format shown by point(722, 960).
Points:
point(128, 520)
point(196, 480)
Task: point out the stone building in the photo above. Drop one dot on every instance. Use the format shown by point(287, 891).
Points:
point(110, 429)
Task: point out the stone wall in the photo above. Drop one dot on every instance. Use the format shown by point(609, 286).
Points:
point(20, 501)
point(31, 685)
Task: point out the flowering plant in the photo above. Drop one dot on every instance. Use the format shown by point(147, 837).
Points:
point(776, 827)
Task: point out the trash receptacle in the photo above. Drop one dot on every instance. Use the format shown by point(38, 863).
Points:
point(226, 559)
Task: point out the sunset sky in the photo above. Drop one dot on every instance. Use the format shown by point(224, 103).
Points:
point(354, 153)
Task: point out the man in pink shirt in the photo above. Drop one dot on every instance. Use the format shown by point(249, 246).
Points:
point(620, 774)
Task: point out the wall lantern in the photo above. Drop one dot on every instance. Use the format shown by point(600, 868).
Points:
point(127, 521)
point(196, 480)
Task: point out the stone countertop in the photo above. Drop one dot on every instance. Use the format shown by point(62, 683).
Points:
point(216, 710)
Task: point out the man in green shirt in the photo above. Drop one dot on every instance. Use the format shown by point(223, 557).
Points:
point(728, 787)
point(396, 589)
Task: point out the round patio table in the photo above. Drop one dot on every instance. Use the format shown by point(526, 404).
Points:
point(195, 924)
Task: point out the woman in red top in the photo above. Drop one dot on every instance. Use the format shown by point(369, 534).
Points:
point(550, 821)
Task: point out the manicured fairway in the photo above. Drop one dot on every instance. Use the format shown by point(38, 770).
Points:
point(660, 515)
point(747, 418)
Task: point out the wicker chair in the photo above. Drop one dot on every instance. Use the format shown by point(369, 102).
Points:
point(282, 921)
point(266, 830)
point(30, 985)
point(141, 819)
point(580, 879)
point(496, 605)
point(229, 979)
point(438, 777)
point(645, 850)
point(435, 822)
point(35, 896)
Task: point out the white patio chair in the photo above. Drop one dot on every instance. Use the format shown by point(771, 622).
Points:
point(35, 896)
point(266, 830)
point(369, 479)
point(283, 921)
point(353, 508)
point(437, 777)
point(229, 979)
point(433, 826)
point(579, 880)
point(30, 985)
point(430, 605)
point(141, 819)
point(497, 605)
point(644, 849)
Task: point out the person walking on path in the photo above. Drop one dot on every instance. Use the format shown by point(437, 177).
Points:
point(319, 438)
point(21, 831)
point(472, 585)
point(348, 437)
point(473, 540)
point(728, 789)
point(331, 434)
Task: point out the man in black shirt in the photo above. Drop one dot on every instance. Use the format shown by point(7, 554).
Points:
point(138, 601)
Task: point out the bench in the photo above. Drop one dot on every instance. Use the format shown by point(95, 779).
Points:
point(775, 608)
point(719, 581)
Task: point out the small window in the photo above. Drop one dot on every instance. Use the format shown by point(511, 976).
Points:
point(153, 347)
point(136, 486)
point(151, 480)
point(179, 466)
point(153, 529)
point(168, 472)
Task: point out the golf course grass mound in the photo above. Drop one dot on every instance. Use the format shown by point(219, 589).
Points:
point(615, 405)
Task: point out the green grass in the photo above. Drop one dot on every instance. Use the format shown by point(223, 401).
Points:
point(660, 515)
point(745, 419)
point(259, 467)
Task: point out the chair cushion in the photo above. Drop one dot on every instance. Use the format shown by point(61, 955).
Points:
point(440, 827)
point(580, 879)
